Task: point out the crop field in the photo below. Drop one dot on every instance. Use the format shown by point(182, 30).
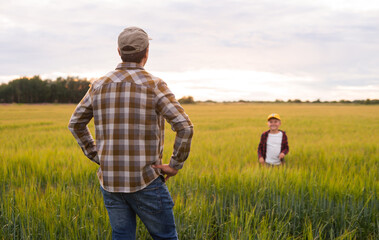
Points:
point(328, 188)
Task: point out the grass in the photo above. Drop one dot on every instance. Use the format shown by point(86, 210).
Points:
point(327, 190)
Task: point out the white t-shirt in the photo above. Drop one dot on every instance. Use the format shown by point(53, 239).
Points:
point(274, 144)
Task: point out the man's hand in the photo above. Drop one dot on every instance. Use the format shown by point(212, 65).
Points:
point(262, 161)
point(166, 170)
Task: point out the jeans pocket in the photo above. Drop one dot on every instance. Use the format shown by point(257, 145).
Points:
point(167, 202)
point(149, 200)
point(110, 199)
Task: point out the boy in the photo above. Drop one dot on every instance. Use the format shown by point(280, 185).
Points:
point(274, 144)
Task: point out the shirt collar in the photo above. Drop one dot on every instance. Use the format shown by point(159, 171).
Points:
point(128, 65)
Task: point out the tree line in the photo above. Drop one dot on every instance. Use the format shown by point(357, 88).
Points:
point(72, 90)
point(61, 90)
point(36, 90)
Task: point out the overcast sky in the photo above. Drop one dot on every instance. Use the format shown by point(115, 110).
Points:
point(220, 50)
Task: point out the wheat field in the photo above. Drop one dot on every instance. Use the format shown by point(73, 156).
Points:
point(328, 188)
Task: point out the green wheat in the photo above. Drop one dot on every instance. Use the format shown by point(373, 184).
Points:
point(327, 190)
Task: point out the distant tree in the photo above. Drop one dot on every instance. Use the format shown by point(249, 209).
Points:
point(374, 101)
point(187, 100)
point(5, 93)
point(26, 90)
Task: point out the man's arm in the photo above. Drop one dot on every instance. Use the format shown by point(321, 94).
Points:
point(78, 127)
point(169, 107)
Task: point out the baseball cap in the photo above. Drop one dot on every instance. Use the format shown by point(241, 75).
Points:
point(133, 40)
point(273, 115)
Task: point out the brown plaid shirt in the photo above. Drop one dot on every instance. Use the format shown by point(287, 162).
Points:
point(129, 107)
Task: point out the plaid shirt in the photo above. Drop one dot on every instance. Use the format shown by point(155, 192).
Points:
point(262, 147)
point(129, 107)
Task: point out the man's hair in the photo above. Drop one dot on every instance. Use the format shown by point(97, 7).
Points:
point(134, 57)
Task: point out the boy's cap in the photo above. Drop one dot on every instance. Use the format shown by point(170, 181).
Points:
point(133, 40)
point(273, 115)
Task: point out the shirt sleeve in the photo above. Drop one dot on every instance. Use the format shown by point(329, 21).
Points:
point(170, 109)
point(78, 126)
point(260, 147)
point(285, 148)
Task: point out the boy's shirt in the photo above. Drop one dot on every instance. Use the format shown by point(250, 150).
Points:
point(262, 148)
point(274, 142)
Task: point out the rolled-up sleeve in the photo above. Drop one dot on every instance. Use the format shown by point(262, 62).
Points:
point(170, 109)
point(78, 126)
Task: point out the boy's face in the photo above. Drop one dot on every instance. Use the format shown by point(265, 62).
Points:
point(273, 124)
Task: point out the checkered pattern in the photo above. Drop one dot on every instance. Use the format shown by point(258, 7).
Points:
point(129, 107)
point(262, 147)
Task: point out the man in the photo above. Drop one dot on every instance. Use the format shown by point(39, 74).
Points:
point(129, 107)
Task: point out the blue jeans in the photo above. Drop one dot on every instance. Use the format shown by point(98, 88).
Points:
point(153, 205)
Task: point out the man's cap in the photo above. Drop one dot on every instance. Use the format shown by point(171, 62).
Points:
point(133, 40)
point(273, 115)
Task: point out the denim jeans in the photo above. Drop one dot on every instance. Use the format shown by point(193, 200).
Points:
point(153, 205)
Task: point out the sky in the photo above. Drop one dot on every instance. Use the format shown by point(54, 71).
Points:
point(219, 50)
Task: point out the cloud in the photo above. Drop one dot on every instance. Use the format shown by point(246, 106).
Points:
point(235, 84)
point(332, 42)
